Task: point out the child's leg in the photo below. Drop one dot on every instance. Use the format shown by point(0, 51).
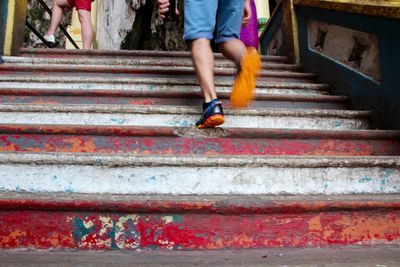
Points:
point(86, 28)
point(57, 15)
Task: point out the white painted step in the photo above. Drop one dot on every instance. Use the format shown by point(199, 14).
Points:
point(200, 175)
point(180, 116)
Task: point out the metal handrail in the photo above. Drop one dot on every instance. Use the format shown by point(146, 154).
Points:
point(40, 36)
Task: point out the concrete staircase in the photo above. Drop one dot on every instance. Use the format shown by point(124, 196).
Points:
point(98, 151)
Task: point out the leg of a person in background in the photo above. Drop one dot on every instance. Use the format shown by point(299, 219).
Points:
point(86, 28)
point(57, 15)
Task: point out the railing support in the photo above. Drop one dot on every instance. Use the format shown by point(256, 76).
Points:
point(290, 32)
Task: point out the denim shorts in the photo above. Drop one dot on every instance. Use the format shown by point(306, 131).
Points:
point(220, 20)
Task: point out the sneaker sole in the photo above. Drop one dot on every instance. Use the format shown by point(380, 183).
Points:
point(212, 122)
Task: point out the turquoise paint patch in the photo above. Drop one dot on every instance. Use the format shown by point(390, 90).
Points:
point(119, 120)
point(151, 179)
point(365, 180)
point(79, 230)
point(177, 218)
point(180, 123)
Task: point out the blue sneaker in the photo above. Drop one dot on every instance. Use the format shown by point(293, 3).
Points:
point(212, 116)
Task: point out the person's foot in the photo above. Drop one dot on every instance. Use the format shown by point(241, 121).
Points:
point(213, 115)
point(51, 40)
point(245, 82)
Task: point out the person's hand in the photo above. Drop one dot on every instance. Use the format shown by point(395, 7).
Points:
point(246, 14)
point(163, 6)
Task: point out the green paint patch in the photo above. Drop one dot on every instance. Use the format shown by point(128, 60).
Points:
point(79, 230)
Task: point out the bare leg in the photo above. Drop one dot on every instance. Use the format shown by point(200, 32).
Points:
point(86, 28)
point(203, 60)
point(57, 15)
point(248, 62)
point(234, 50)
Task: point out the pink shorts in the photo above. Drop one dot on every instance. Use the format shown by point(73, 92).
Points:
point(81, 4)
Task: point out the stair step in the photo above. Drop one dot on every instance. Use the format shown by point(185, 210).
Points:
point(170, 82)
point(347, 256)
point(126, 115)
point(190, 141)
point(112, 222)
point(199, 174)
point(56, 53)
point(96, 70)
point(138, 61)
point(176, 98)
point(206, 204)
point(120, 85)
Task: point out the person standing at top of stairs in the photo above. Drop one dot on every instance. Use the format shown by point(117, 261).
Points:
point(84, 9)
point(220, 20)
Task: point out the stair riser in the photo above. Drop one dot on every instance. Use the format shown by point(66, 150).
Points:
point(192, 100)
point(199, 146)
point(111, 231)
point(176, 120)
point(133, 89)
point(243, 179)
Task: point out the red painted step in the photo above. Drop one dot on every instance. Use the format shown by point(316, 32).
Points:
point(183, 141)
point(68, 221)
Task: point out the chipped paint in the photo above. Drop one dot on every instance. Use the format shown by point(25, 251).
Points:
point(160, 145)
point(195, 231)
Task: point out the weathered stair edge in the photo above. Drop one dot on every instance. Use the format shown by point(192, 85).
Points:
point(185, 140)
point(180, 116)
point(153, 81)
point(271, 75)
point(178, 99)
point(70, 221)
point(53, 53)
point(333, 256)
point(139, 61)
point(186, 175)
point(172, 93)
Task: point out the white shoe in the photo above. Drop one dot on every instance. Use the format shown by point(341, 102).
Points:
point(50, 39)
